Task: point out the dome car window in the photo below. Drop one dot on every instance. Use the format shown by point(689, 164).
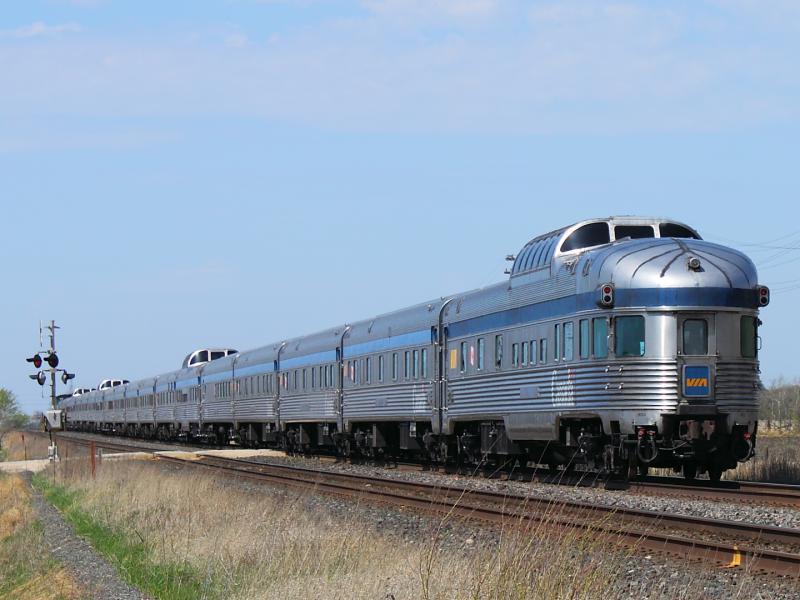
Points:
point(634, 232)
point(592, 234)
point(671, 230)
point(217, 354)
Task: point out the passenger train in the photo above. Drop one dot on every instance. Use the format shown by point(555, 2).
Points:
point(616, 344)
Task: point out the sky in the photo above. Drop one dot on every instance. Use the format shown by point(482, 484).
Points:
point(235, 172)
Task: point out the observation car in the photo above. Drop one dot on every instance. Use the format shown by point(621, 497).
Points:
point(616, 344)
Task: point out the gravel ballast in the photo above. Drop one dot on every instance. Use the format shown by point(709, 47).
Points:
point(97, 578)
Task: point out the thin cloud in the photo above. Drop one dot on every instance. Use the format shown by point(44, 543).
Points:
point(41, 29)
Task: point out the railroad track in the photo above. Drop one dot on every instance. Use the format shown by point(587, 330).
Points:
point(757, 548)
point(748, 492)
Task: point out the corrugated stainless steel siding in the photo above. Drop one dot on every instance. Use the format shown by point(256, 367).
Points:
point(317, 406)
point(736, 385)
point(255, 409)
point(394, 401)
point(650, 385)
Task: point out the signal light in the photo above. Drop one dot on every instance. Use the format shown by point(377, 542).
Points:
point(52, 360)
point(39, 378)
point(763, 295)
point(65, 377)
point(36, 359)
point(607, 294)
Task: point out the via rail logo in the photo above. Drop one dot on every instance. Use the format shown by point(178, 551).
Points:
point(696, 380)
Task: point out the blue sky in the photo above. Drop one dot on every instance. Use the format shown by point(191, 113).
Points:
point(235, 172)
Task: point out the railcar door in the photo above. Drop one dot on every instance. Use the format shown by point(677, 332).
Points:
point(697, 353)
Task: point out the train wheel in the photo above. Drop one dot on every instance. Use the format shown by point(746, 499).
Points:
point(689, 471)
point(714, 474)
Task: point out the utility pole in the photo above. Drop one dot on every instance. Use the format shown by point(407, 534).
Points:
point(52, 327)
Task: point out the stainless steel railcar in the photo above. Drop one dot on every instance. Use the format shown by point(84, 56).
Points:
point(616, 343)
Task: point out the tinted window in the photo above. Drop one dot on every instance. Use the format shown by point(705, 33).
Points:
point(695, 337)
point(748, 337)
point(462, 364)
point(481, 352)
point(569, 341)
point(592, 234)
point(557, 349)
point(600, 331)
point(202, 356)
point(218, 354)
point(629, 334)
point(583, 335)
point(672, 230)
point(498, 351)
point(633, 231)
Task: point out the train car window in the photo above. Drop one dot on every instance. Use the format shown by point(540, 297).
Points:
point(600, 338)
point(368, 370)
point(633, 231)
point(673, 230)
point(543, 351)
point(313, 378)
point(524, 357)
point(481, 353)
point(305, 381)
point(498, 351)
point(394, 366)
point(407, 364)
point(424, 362)
point(534, 352)
point(415, 365)
point(462, 357)
point(591, 234)
point(583, 338)
point(514, 355)
point(569, 341)
point(380, 368)
point(629, 336)
point(295, 386)
point(695, 337)
point(216, 355)
point(749, 337)
point(557, 349)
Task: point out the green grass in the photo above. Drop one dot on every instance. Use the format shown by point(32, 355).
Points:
point(132, 558)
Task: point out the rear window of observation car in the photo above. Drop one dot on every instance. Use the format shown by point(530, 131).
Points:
point(748, 337)
point(695, 337)
point(629, 336)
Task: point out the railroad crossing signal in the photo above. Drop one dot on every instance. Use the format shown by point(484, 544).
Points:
point(39, 378)
point(52, 361)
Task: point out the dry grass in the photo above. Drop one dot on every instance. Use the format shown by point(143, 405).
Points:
point(777, 460)
point(26, 571)
point(242, 544)
point(24, 446)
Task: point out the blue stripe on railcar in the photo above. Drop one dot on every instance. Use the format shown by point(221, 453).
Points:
point(624, 298)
